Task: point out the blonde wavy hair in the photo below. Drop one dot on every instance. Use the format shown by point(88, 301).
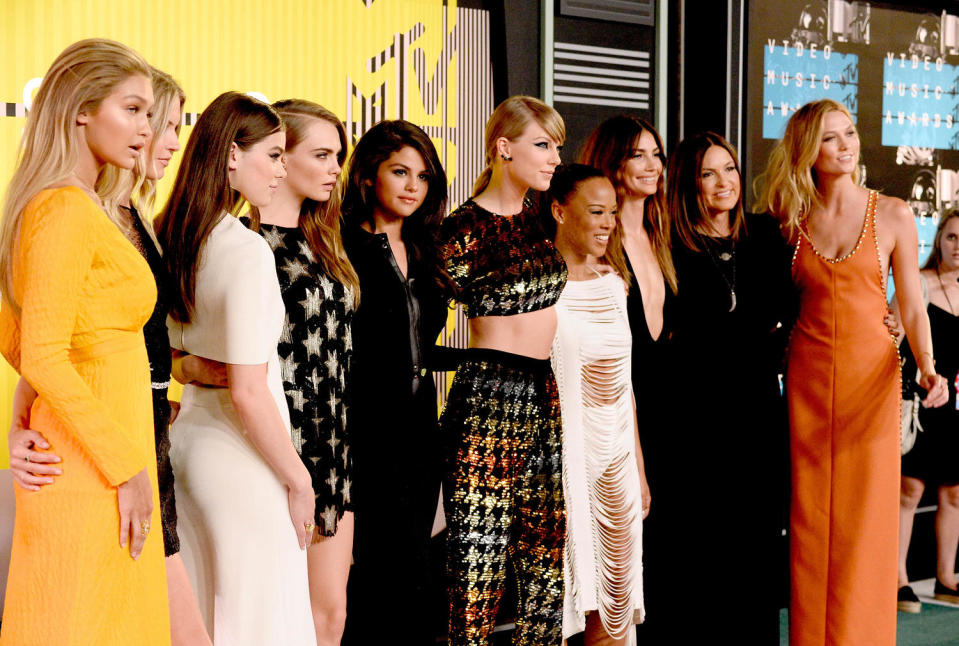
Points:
point(509, 120)
point(80, 78)
point(787, 188)
point(117, 185)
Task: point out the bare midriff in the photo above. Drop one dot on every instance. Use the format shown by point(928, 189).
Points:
point(529, 334)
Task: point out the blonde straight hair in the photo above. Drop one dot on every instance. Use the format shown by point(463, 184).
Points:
point(319, 221)
point(80, 78)
point(509, 120)
point(116, 185)
point(787, 188)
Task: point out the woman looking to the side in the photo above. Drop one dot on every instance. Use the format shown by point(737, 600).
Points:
point(503, 488)
point(720, 515)
point(319, 287)
point(244, 498)
point(603, 471)
point(76, 296)
point(394, 200)
point(31, 468)
point(932, 460)
point(843, 379)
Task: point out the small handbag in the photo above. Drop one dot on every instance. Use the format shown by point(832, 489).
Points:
point(909, 426)
point(909, 415)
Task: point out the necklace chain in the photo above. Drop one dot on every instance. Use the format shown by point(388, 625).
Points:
point(719, 268)
point(945, 293)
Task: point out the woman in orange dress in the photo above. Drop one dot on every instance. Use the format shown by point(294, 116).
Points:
point(843, 381)
point(84, 568)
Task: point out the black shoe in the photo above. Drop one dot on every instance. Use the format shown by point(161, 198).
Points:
point(908, 601)
point(942, 593)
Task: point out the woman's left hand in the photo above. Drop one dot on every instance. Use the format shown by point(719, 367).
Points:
point(938, 390)
point(644, 493)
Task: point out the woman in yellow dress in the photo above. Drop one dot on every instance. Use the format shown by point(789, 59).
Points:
point(84, 567)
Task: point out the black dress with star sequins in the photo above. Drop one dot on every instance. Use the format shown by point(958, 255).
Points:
point(315, 352)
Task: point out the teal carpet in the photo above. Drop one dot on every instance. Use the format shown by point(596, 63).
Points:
point(934, 626)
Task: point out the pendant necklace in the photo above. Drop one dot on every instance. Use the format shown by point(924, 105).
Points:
point(945, 293)
point(726, 256)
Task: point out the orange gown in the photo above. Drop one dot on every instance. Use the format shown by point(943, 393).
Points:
point(843, 385)
point(85, 293)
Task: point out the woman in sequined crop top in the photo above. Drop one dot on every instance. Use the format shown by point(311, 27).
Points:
point(503, 486)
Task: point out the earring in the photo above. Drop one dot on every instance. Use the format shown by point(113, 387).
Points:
point(506, 158)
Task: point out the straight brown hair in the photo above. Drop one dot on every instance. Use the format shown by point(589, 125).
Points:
point(608, 148)
point(684, 194)
point(202, 194)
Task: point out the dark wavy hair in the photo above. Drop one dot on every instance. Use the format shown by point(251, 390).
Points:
point(359, 197)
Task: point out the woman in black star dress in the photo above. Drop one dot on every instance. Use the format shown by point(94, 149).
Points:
point(320, 290)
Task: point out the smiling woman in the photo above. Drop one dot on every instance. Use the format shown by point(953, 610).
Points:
point(726, 419)
point(843, 378)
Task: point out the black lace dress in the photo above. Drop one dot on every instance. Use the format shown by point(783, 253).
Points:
point(158, 352)
point(315, 355)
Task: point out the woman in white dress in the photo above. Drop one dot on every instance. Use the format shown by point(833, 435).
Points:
point(603, 473)
point(244, 499)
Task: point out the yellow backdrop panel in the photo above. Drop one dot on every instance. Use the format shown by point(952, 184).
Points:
point(321, 50)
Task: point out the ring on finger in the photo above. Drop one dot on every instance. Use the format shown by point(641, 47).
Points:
point(27, 459)
point(144, 528)
point(309, 526)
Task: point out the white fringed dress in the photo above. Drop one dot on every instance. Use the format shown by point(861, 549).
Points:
point(591, 357)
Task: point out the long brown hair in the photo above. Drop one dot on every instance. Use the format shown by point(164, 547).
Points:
point(684, 194)
point(80, 78)
point(935, 256)
point(319, 221)
point(608, 148)
point(201, 192)
point(509, 120)
point(359, 200)
point(787, 188)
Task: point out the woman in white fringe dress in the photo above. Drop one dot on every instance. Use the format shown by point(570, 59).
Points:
point(603, 474)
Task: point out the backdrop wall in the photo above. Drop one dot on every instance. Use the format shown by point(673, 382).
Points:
point(427, 61)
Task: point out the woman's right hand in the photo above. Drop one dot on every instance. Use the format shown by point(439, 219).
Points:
point(135, 502)
point(208, 372)
point(30, 469)
point(302, 508)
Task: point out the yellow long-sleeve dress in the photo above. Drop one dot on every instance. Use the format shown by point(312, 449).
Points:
point(85, 293)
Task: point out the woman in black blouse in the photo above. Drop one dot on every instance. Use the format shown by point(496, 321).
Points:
point(319, 289)
point(394, 199)
point(720, 505)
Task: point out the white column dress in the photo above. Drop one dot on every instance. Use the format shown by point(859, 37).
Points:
point(237, 540)
point(591, 357)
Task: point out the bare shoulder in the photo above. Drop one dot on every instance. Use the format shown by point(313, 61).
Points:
point(894, 212)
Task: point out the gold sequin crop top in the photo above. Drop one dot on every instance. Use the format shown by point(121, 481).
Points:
point(500, 265)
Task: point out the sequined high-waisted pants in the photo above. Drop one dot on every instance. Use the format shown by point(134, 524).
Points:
point(504, 496)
